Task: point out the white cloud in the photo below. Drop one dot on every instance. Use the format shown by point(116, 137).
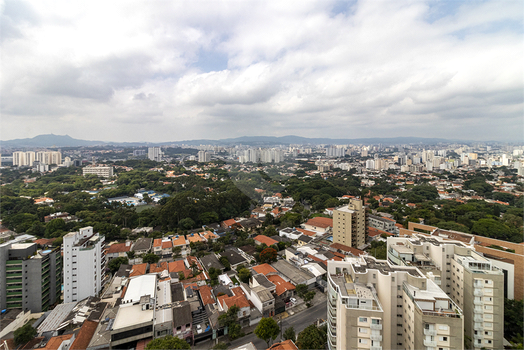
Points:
point(128, 71)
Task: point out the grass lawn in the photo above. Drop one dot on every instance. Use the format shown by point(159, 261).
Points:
point(141, 208)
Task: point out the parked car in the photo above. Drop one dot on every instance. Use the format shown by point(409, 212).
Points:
point(199, 329)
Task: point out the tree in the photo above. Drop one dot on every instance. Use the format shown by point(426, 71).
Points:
point(312, 338)
point(301, 290)
point(220, 346)
point(168, 342)
point(308, 297)
point(24, 334)
point(115, 263)
point(513, 318)
point(268, 255)
point(267, 330)
point(289, 333)
point(150, 258)
point(223, 260)
point(244, 274)
point(230, 320)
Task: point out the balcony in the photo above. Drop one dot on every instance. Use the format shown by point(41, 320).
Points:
point(432, 332)
point(376, 337)
point(376, 348)
point(376, 326)
point(432, 343)
point(478, 327)
point(478, 292)
point(478, 318)
point(478, 302)
point(478, 310)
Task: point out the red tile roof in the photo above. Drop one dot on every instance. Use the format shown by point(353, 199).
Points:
point(177, 266)
point(55, 342)
point(206, 295)
point(44, 241)
point(229, 222)
point(181, 240)
point(265, 239)
point(158, 267)
point(238, 300)
point(346, 248)
point(192, 259)
point(167, 244)
point(264, 269)
point(138, 270)
point(320, 221)
point(84, 336)
point(157, 242)
point(118, 248)
point(281, 285)
point(283, 345)
point(372, 232)
point(306, 232)
point(194, 237)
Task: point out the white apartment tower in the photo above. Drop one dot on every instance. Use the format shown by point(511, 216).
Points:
point(23, 158)
point(84, 264)
point(155, 153)
point(204, 156)
point(375, 305)
point(471, 280)
point(49, 157)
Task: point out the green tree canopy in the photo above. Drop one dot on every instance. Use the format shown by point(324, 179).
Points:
point(289, 333)
point(24, 334)
point(267, 330)
point(115, 263)
point(312, 338)
point(268, 255)
point(150, 258)
point(168, 342)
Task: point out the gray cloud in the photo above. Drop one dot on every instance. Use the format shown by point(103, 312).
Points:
point(179, 70)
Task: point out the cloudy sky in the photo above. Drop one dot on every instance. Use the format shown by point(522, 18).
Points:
point(179, 70)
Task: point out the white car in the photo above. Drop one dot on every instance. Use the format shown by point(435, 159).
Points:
point(293, 300)
point(199, 329)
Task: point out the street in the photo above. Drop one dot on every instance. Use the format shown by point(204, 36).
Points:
point(298, 321)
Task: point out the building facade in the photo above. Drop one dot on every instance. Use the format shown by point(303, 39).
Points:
point(29, 278)
point(84, 264)
point(471, 280)
point(155, 153)
point(349, 224)
point(375, 305)
point(23, 158)
point(102, 171)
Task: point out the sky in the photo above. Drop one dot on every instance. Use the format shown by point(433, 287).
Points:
point(162, 71)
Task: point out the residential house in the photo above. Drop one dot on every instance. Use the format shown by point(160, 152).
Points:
point(180, 241)
point(157, 246)
point(319, 224)
point(118, 250)
point(183, 321)
point(142, 246)
point(234, 257)
point(283, 288)
point(209, 261)
point(261, 239)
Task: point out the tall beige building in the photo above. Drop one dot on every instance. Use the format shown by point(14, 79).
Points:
point(375, 305)
point(467, 277)
point(349, 224)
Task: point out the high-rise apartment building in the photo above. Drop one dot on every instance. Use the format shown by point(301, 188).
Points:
point(155, 153)
point(84, 264)
point(375, 305)
point(49, 157)
point(204, 156)
point(349, 224)
point(471, 280)
point(23, 158)
point(30, 279)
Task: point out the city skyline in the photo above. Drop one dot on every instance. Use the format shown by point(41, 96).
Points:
point(159, 72)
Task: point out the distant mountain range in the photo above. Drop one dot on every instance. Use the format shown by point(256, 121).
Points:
point(51, 140)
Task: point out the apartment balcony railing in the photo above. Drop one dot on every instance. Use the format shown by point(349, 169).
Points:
point(432, 332)
point(376, 326)
point(375, 337)
point(432, 343)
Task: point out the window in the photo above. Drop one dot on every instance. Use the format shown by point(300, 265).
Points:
point(362, 341)
point(443, 327)
point(398, 287)
point(374, 275)
point(363, 330)
point(443, 338)
point(363, 319)
point(488, 341)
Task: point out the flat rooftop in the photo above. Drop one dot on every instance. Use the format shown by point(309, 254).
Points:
point(130, 315)
point(383, 267)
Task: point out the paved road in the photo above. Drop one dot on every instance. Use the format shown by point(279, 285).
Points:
point(298, 321)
